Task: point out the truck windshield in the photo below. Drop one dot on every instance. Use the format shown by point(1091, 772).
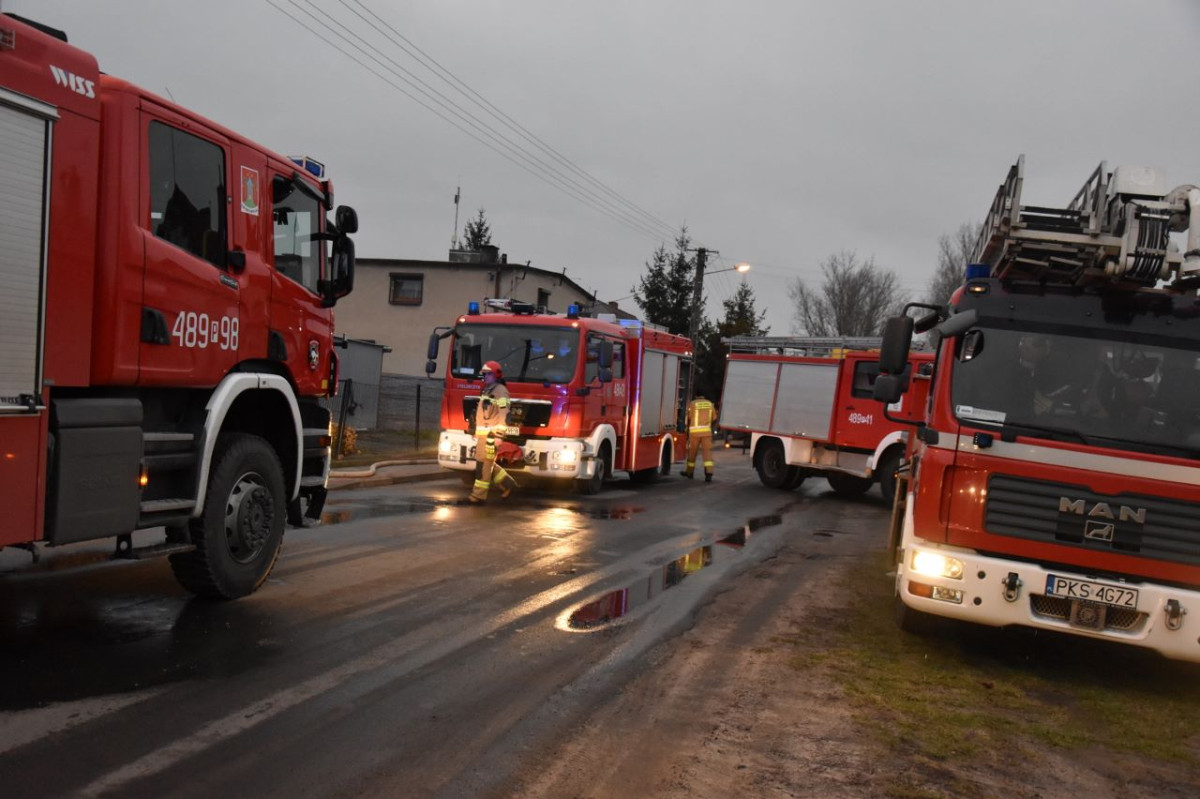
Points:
point(527, 353)
point(298, 251)
point(1124, 394)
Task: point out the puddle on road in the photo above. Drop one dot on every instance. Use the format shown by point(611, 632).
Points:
point(623, 601)
point(341, 515)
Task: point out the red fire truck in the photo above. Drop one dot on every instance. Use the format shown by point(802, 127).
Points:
point(808, 405)
point(590, 396)
point(165, 297)
point(1055, 482)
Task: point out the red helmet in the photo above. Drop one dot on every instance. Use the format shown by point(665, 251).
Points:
point(492, 366)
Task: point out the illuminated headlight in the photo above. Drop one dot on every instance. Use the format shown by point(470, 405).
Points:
point(566, 456)
point(445, 445)
point(932, 564)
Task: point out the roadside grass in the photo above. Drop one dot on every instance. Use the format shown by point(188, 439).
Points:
point(970, 693)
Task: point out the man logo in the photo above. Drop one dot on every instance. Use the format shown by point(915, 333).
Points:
point(73, 82)
point(1099, 531)
point(1101, 510)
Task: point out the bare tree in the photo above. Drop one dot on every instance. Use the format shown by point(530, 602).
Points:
point(854, 299)
point(954, 252)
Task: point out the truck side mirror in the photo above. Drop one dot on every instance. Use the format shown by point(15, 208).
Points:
point(430, 367)
point(432, 351)
point(897, 338)
point(346, 219)
point(889, 388)
point(604, 357)
point(604, 374)
point(341, 281)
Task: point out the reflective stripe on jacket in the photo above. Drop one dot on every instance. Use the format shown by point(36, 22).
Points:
point(701, 414)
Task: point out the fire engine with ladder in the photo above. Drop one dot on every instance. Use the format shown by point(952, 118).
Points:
point(166, 294)
point(808, 406)
point(591, 396)
point(1055, 482)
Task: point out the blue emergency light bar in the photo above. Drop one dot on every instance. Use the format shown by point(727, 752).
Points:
point(473, 308)
point(309, 165)
point(975, 271)
point(572, 311)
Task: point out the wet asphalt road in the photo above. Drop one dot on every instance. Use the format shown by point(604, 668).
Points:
point(413, 646)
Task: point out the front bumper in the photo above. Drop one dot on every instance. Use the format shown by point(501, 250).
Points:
point(556, 458)
point(1000, 592)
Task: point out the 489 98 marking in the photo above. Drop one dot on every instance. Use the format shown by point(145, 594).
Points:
point(200, 331)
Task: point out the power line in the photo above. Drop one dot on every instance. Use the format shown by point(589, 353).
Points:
point(531, 164)
point(453, 80)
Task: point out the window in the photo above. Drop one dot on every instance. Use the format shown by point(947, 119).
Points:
point(543, 300)
point(865, 373)
point(406, 289)
point(187, 192)
point(297, 216)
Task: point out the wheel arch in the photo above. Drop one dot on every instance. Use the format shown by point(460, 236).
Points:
point(897, 438)
point(261, 404)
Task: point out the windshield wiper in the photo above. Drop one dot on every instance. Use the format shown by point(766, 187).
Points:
point(1010, 430)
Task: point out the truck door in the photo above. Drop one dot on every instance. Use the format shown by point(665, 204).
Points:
point(191, 298)
point(858, 418)
point(298, 322)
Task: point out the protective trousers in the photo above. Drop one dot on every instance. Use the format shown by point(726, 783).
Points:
point(487, 471)
point(702, 442)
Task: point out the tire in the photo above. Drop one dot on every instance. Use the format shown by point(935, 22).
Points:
point(886, 469)
point(664, 460)
point(848, 485)
point(771, 464)
point(915, 622)
point(593, 484)
point(795, 479)
point(240, 532)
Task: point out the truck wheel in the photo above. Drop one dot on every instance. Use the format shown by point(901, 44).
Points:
point(240, 532)
point(848, 485)
point(772, 464)
point(886, 469)
point(593, 484)
point(647, 476)
point(795, 478)
point(664, 459)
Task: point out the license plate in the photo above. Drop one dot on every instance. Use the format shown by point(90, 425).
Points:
point(1088, 591)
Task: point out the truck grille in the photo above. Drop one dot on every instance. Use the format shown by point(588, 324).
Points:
point(1053, 607)
point(1058, 513)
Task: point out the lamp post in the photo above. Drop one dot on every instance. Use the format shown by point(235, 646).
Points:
point(698, 301)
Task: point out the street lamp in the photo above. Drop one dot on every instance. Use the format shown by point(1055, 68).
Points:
point(698, 300)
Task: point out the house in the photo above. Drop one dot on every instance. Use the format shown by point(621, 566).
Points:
point(399, 302)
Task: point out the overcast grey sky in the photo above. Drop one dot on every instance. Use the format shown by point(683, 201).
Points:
point(779, 132)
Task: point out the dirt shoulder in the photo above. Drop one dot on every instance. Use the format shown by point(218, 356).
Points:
point(805, 688)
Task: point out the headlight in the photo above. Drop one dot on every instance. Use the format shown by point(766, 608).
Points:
point(566, 456)
point(932, 564)
point(445, 445)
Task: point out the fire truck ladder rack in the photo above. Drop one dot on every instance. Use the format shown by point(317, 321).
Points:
point(810, 346)
point(1098, 236)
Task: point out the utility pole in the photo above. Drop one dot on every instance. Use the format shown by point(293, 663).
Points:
point(694, 325)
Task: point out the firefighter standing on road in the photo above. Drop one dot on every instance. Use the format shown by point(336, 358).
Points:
point(491, 422)
point(701, 414)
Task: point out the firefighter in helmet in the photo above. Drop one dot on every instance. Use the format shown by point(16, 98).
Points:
point(491, 423)
point(701, 414)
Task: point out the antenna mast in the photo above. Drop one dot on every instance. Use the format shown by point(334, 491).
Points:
point(454, 232)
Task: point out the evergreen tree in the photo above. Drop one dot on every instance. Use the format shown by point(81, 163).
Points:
point(664, 293)
point(477, 234)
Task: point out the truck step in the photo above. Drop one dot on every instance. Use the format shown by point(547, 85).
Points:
point(164, 505)
point(154, 551)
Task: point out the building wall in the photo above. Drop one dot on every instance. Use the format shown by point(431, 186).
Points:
point(367, 312)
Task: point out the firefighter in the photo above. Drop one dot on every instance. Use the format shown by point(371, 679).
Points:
point(491, 423)
point(701, 414)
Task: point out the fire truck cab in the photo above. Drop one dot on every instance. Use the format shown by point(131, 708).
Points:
point(166, 288)
point(590, 396)
point(1054, 482)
